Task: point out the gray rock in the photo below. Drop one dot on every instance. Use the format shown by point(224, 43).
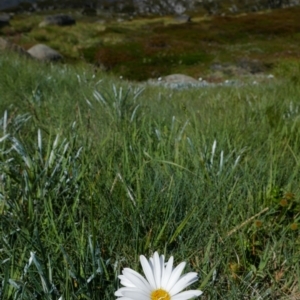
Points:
point(45, 53)
point(178, 78)
point(178, 81)
point(4, 20)
point(60, 20)
point(183, 19)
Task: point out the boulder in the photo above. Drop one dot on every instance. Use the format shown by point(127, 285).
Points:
point(179, 81)
point(179, 78)
point(182, 19)
point(8, 46)
point(60, 20)
point(44, 53)
point(4, 20)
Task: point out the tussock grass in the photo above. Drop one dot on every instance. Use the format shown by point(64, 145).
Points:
point(96, 171)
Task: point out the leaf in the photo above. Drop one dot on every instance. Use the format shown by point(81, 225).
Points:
point(182, 225)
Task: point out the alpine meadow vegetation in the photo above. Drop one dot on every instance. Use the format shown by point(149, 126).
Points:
point(96, 171)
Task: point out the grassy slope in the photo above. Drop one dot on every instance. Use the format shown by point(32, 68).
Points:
point(151, 47)
point(100, 176)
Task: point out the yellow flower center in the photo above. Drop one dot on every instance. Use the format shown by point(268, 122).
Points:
point(160, 294)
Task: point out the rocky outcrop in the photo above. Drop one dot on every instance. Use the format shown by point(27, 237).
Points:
point(59, 20)
point(44, 53)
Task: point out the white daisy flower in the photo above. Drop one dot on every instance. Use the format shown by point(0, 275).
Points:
point(162, 281)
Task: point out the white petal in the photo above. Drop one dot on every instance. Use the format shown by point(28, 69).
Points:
point(157, 269)
point(187, 295)
point(148, 271)
point(124, 298)
point(119, 292)
point(167, 273)
point(162, 264)
point(136, 295)
point(151, 262)
point(175, 276)
point(137, 279)
point(123, 292)
point(183, 282)
point(125, 282)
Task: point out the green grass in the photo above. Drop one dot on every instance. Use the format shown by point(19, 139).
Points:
point(96, 171)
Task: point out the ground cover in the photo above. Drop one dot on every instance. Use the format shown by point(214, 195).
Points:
point(96, 171)
point(143, 48)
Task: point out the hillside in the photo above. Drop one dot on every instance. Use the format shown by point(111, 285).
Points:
point(96, 170)
point(214, 48)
